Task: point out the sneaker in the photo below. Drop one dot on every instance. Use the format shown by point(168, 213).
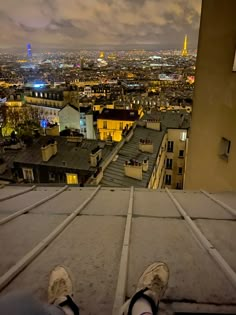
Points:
point(151, 286)
point(60, 285)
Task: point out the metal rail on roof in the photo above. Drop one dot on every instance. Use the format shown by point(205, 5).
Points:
point(27, 209)
point(219, 202)
point(17, 194)
point(229, 272)
point(123, 270)
point(29, 257)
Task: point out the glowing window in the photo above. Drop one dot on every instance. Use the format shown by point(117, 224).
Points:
point(28, 174)
point(71, 179)
point(183, 135)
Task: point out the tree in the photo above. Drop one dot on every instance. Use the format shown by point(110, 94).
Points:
point(3, 117)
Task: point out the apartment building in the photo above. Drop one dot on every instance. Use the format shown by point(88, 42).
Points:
point(111, 123)
point(152, 154)
point(211, 162)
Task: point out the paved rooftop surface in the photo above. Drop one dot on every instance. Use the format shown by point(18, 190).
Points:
point(114, 173)
point(91, 245)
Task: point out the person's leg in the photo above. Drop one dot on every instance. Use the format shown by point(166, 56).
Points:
point(60, 291)
point(19, 303)
point(150, 289)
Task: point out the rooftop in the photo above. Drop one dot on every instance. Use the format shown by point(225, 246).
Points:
point(114, 173)
point(119, 114)
point(76, 155)
point(92, 244)
point(171, 119)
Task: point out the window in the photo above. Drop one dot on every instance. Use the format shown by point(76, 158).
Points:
point(181, 153)
point(51, 177)
point(179, 186)
point(169, 163)
point(28, 174)
point(183, 136)
point(121, 125)
point(168, 180)
point(180, 170)
point(234, 65)
point(105, 125)
point(170, 146)
point(225, 145)
point(71, 179)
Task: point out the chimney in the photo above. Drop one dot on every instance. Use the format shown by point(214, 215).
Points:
point(145, 164)
point(145, 145)
point(154, 124)
point(49, 150)
point(95, 156)
point(134, 169)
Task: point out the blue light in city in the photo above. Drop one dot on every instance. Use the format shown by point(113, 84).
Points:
point(43, 123)
point(39, 85)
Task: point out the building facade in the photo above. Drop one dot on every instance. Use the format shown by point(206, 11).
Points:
point(111, 123)
point(211, 162)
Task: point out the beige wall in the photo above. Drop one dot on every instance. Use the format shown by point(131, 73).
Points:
point(214, 108)
point(175, 136)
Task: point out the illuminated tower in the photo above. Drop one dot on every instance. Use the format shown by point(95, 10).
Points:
point(29, 51)
point(102, 55)
point(185, 50)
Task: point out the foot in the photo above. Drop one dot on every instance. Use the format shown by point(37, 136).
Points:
point(60, 285)
point(151, 286)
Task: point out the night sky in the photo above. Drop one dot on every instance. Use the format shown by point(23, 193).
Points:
point(78, 24)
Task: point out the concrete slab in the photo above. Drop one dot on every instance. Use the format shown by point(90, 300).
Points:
point(222, 234)
point(19, 236)
point(156, 204)
point(22, 201)
point(227, 197)
point(52, 189)
point(116, 202)
point(198, 205)
point(10, 190)
point(91, 248)
point(194, 275)
point(64, 203)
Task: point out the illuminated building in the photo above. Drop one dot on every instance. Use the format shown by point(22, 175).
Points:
point(29, 51)
point(211, 162)
point(112, 122)
point(102, 55)
point(153, 154)
point(185, 47)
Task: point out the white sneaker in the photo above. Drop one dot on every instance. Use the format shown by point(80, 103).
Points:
point(60, 285)
point(151, 286)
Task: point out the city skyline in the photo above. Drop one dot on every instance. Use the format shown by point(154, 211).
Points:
point(77, 25)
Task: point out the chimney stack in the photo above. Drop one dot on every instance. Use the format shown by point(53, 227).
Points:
point(145, 145)
point(95, 156)
point(134, 169)
point(154, 124)
point(49, 150)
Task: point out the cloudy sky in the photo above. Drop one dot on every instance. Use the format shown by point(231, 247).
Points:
point(76, 24)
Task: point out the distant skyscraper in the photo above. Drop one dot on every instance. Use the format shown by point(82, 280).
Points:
point(29, 51)
point(185, 48)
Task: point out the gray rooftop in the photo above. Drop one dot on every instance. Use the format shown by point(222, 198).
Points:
point(171, 119)
point(91, 245)
point(114, 173)
point(75, 155)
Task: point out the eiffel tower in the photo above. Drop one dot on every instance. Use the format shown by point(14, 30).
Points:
point(185, 51)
